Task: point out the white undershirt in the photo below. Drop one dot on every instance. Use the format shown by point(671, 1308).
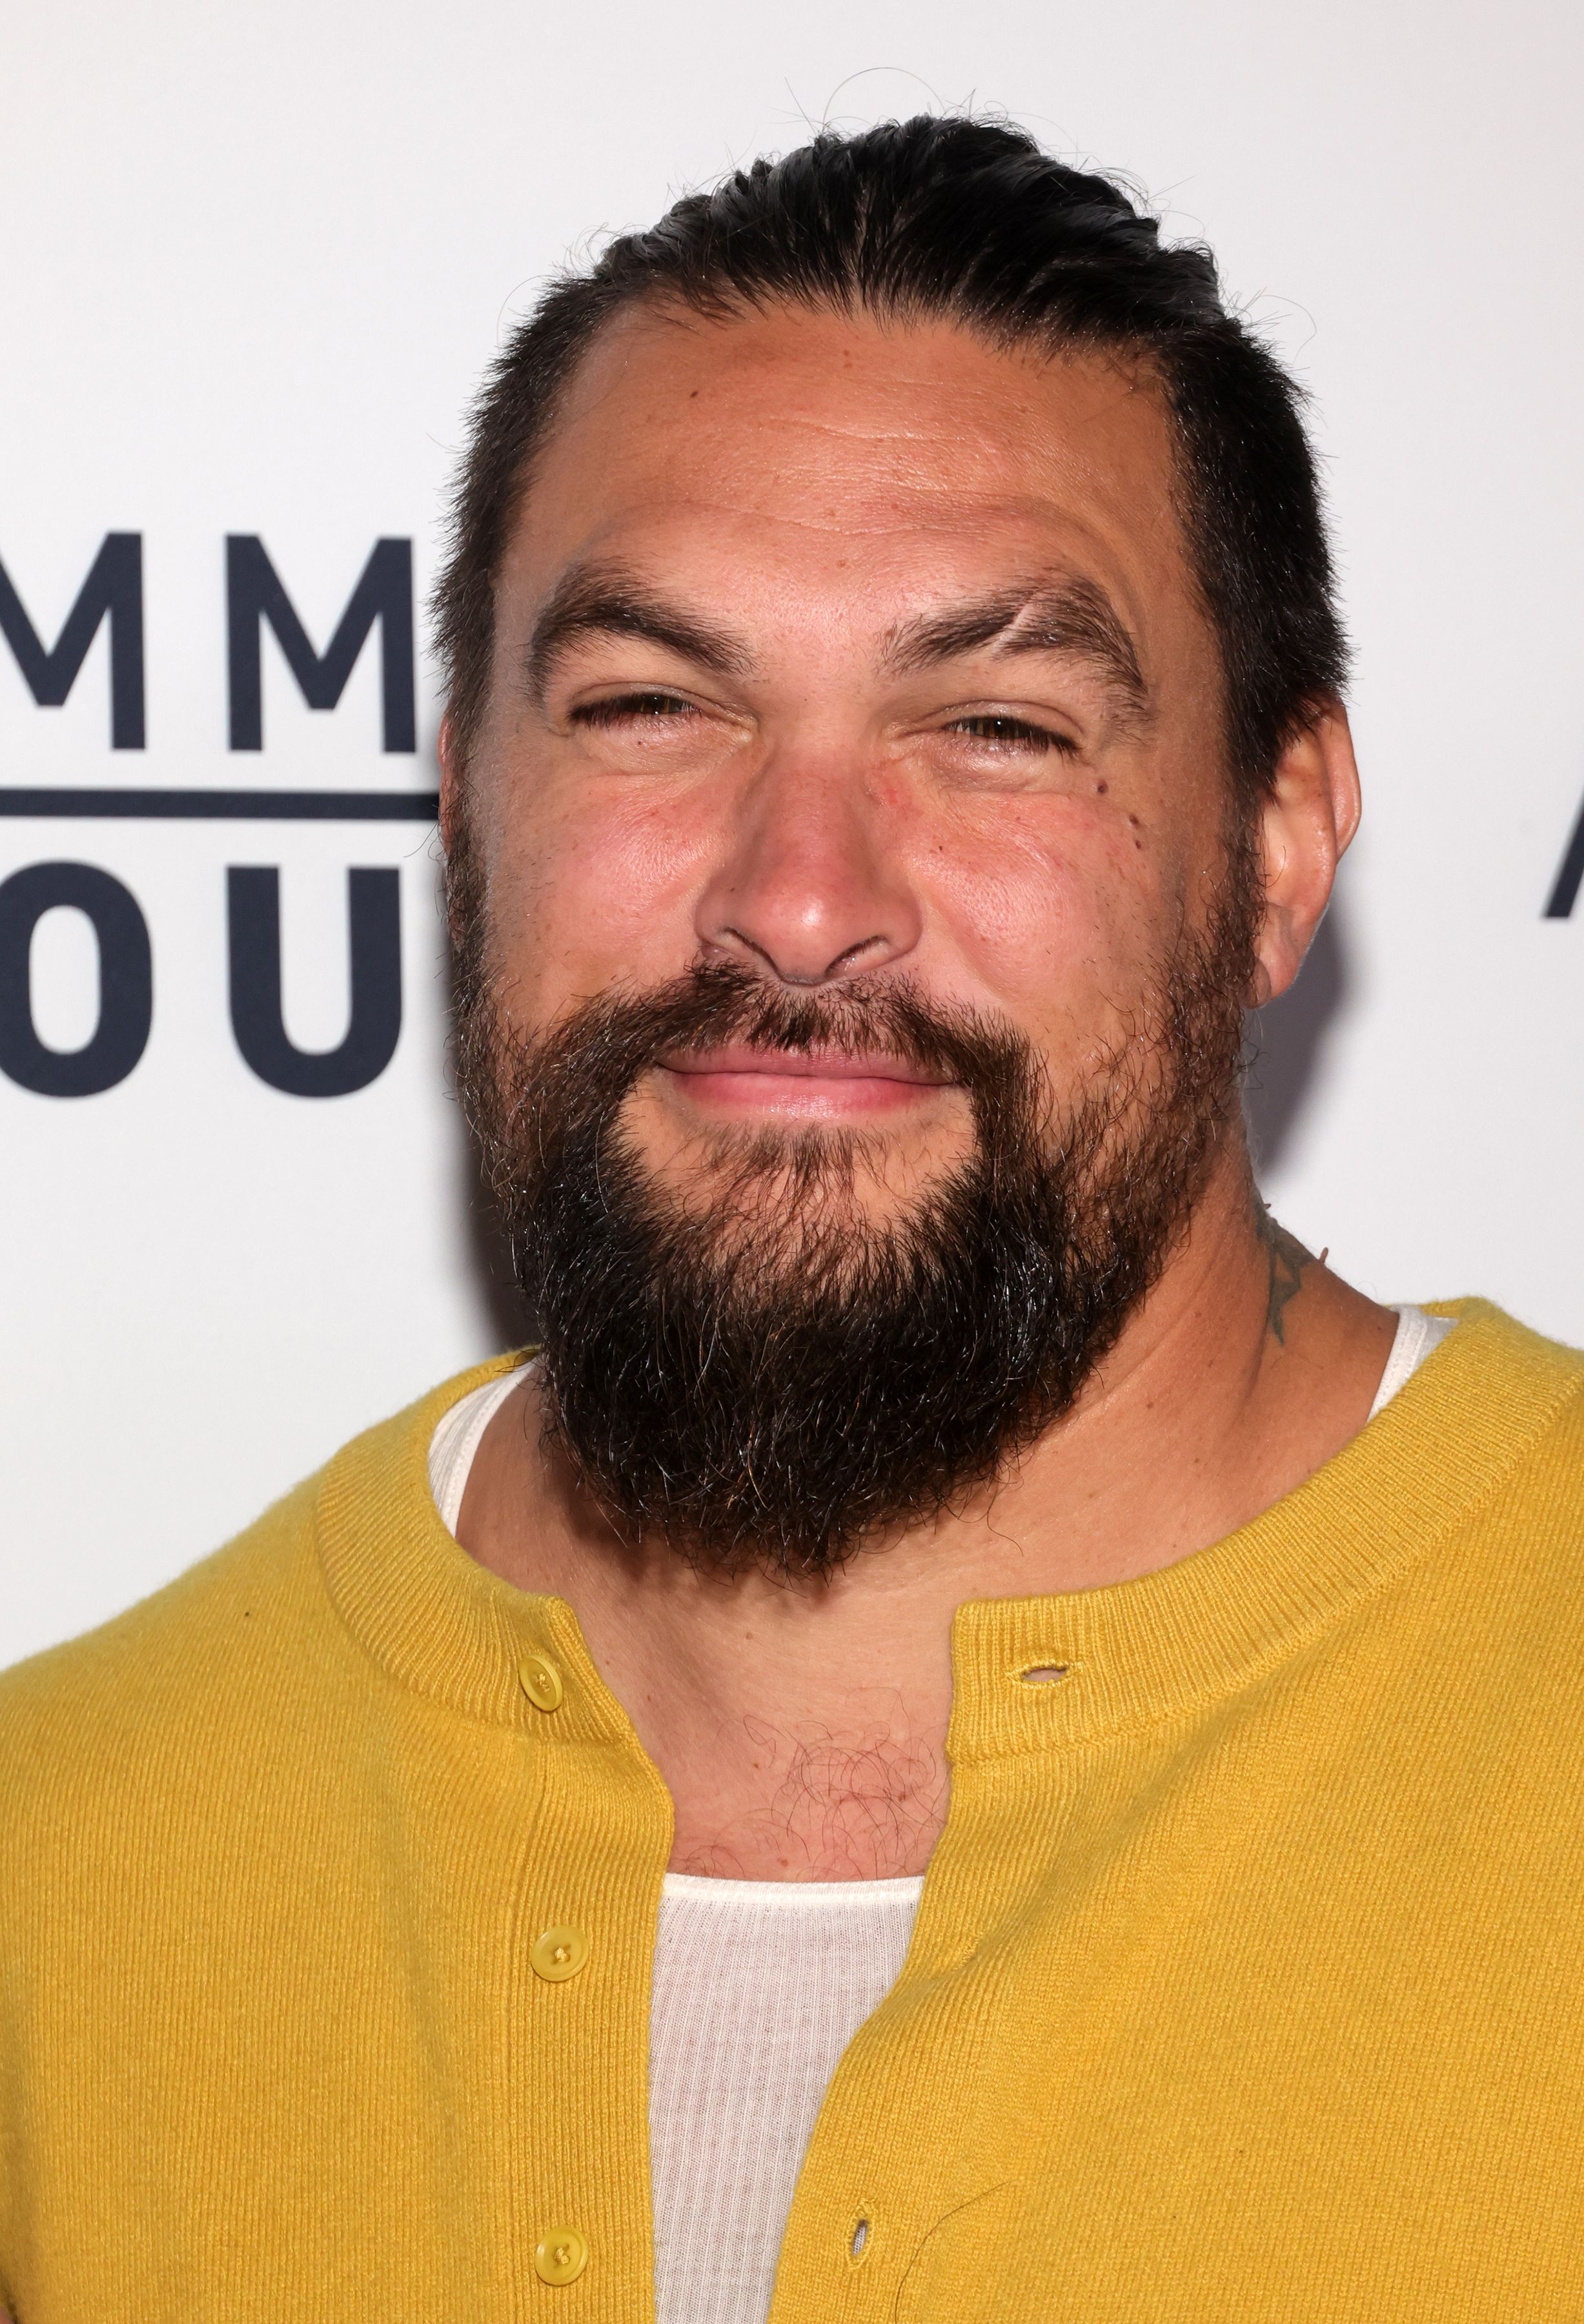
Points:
point(758, 1987)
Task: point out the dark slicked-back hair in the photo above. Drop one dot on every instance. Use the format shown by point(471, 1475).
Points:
point(964, 221)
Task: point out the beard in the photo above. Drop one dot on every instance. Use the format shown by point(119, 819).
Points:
point(758, 1372)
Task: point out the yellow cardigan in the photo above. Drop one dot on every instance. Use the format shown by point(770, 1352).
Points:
point(1248, 1984)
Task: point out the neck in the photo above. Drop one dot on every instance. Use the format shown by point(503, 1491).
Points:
point(800, 1727)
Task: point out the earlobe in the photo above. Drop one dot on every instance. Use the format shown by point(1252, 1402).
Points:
point(1306, 825)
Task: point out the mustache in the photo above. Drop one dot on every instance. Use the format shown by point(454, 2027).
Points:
point(610, 1042)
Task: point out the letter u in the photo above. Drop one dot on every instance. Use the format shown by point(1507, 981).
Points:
point(252, 899)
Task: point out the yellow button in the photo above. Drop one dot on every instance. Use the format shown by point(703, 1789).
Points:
point(558, 1953)
point(541, 1681)
point(560, 2255)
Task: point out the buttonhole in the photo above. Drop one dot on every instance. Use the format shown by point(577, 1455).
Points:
point(859, 2242)
point(1044, 1674)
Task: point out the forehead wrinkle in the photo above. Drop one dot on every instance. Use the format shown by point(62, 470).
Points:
point(603, 598)
point(1070, 616)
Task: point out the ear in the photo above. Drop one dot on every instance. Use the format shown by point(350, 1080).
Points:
point(1306, 826)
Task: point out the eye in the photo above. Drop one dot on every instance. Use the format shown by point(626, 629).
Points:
point(1002, 732)
point(618, 709)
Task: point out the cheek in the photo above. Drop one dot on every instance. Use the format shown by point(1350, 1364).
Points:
point(591, 889)
point(1057, 909)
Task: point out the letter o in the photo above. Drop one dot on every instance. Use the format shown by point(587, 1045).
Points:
point(126, 980)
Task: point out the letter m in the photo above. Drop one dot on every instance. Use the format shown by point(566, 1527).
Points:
point(112, 593)
point(254, 596)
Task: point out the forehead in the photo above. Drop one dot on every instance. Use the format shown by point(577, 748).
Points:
point(840, 458)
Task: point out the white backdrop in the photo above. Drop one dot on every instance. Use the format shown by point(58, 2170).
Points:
point(252, 262)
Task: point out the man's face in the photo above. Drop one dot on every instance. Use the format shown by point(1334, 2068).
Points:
point(834, 650)
point(853, 944)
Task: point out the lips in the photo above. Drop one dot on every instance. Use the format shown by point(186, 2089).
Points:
point(812, 1083)
point(803, 1065)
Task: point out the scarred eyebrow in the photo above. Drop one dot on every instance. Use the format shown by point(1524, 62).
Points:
point(606, 600)
point(1072, 616)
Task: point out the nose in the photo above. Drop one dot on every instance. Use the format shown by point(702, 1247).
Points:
point(807, 886)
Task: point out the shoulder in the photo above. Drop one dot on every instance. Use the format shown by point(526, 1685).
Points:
point(1486, 1444)
point(1494, 1372)
point(180, 1664)
point(174, 1698)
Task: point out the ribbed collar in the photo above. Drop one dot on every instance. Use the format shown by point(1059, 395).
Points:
point(429, 1614)
point(1133, 1653)
point(1139, 1651)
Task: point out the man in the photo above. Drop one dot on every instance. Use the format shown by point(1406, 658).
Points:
point(894, 735)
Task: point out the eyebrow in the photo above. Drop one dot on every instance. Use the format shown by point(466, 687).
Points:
point(607, 601)
point(1070, 616)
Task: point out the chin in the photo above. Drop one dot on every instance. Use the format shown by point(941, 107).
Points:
point(787, 1178)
